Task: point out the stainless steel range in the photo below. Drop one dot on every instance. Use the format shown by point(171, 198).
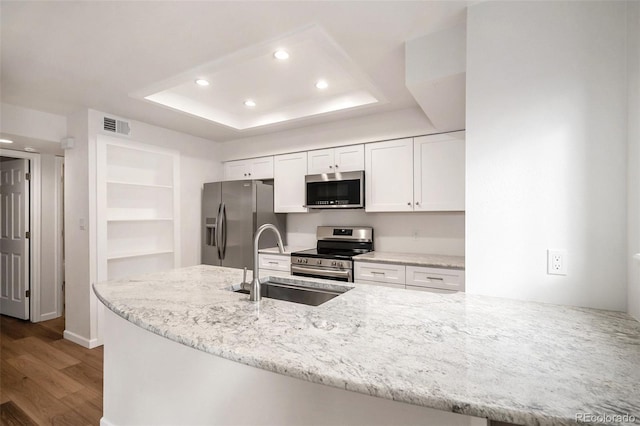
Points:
point(333, 256)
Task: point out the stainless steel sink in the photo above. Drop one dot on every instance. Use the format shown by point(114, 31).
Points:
point(294, 291)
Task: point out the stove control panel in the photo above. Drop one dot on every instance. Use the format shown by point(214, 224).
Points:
point(321, 262)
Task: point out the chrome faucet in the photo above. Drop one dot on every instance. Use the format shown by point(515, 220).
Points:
point(254, 292)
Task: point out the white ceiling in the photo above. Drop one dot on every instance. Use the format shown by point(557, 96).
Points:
point(61, 57)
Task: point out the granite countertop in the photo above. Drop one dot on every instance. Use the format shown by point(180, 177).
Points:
point(506, 360)
point(413, 259)
point(287, 250)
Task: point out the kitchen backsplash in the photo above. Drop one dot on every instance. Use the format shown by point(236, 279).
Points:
point(441, 233)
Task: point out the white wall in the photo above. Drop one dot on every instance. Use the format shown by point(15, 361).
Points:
point(376, 127)
point(546, 150)
point(49, 291)
point(633, 217)
point(76, 240)
point(198, 164)
point(32, 124)
point(440, 233)
point(42, 131)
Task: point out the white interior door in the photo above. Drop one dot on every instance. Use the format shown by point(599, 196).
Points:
point(14, 244)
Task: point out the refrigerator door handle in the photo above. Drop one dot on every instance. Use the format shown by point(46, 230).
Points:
point(224, 230)
point(219, 231)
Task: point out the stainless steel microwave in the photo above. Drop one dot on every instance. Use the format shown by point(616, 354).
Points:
point(335, 190)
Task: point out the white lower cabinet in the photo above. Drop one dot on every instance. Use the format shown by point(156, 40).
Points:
point(444, 279)
point(436, 280)
point(278, 265)
point(379, 273)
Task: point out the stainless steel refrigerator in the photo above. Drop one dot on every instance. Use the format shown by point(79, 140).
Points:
point(231, 213)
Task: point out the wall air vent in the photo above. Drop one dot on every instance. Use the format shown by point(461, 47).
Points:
point(116, 126)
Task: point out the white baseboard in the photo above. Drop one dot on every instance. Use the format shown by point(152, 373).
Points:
point(49, 316)
point(82, 341)
point(105, 422)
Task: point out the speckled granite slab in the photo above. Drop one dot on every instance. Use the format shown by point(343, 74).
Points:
point(413, 259)
point(520, 362)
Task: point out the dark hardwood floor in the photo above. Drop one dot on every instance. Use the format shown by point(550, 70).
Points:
point(46, 380)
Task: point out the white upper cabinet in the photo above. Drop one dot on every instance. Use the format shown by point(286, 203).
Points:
point(439, 172)
point(342, 159)
point(253, 168)
point(389, 176)
point(289, 188)
point(349, 158)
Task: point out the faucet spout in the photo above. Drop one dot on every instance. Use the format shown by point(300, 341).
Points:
point(254, 293)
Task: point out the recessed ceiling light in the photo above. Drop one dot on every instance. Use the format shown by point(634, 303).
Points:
point(281, 54)
point(250, 103)
point(29, 149)
point(322, 84)
point(5, 141)
point(202, 82)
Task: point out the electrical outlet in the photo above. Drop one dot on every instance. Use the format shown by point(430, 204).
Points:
point(556, 262)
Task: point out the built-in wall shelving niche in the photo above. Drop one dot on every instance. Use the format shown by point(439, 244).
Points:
point(137, 208)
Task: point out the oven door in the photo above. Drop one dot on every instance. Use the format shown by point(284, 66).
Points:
point(325, 273)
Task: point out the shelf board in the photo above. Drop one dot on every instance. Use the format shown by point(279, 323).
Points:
point(153, 219)
point(138, 254)
point(147, 185)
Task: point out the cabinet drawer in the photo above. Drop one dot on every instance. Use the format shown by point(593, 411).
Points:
point(401, 286)
point(379, 272)
point(274, 262)
point(445, 279)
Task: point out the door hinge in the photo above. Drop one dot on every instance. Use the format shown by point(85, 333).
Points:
point(27, 176)
point(27, 293)
point(27, 234)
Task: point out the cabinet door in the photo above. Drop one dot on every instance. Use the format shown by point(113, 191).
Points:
point(349, 158)
point(439, 170)
point(320, 161)
point(389, 176)
point(236, 170)
point(261, 168)
point(288, 182)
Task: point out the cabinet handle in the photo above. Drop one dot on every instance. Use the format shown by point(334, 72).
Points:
point(417, 203)
point(273, 263)
point(336, 166)
point(377, 273)
point(408, 204)
point(249, 174)
point(435, 278)
point(245, 174)
point(331, 167)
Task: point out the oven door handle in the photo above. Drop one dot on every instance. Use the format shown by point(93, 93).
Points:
point(337, 273)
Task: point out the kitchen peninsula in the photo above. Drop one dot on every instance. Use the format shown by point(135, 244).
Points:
point(203, 354)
